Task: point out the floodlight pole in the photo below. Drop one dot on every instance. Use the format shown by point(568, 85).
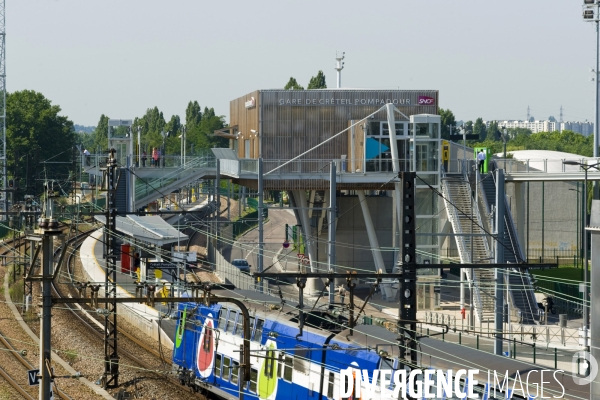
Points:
point(585, 241)
point(596, 128)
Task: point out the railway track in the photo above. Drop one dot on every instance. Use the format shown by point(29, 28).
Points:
point(129, 344)
point(16, 374)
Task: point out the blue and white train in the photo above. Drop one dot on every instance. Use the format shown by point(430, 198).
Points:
point(289, 364)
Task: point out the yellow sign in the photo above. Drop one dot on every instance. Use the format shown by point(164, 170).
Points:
point(445, 150)
point(137, 272)
point(158, 274)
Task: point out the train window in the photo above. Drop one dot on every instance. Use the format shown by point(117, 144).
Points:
point(218, 365)
point(302, 359)
point(235, 370)
point(330, 382)
point(259, 330)
point(231, 321)
point(226, 364)
point(253, 378)
point(222, 318)
point(286, 366)
point(251, 325)
point(270, 364)
point(239, 329)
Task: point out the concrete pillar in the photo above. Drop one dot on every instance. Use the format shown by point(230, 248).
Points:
point(373, 242)
point(312, 286)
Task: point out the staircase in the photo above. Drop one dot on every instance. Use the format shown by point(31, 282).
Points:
point(522, 296)
point(121, 192)
point(148, 190)
point(464, 216)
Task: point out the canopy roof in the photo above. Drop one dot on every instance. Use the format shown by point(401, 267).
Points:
point(151, 229)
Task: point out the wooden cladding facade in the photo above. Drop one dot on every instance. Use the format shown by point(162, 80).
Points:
point(291, 122)
point(244, 120)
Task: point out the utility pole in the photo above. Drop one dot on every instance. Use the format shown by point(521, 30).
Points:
point(49, 225)
point(331, 231)
point(499, 273)
point(4, 204)
point(260, 223)
point(111, 358)
point(408, 283)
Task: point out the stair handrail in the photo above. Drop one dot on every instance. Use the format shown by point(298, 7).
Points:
point(480, 229)
point(518, 252)
point(174, 175)
point(463, 253)
point(453, 216)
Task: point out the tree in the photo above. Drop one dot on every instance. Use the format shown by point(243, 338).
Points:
point(100, 135)
point(36, 133)
point(493, 131)
point(293, 85)
point(448, 122)
point(468, 127)
point(480, 129)
point(317, 82)
point(193, 115)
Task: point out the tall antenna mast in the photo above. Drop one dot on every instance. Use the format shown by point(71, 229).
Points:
point(560, 122)
point(4, 203)
point(339, 67)
point(528, 114)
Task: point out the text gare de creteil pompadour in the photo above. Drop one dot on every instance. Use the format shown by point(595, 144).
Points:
point(343, 102)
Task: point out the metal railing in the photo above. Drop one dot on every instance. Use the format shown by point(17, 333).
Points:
point(145, 187)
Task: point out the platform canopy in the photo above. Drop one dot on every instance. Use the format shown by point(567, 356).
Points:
point(151, 229)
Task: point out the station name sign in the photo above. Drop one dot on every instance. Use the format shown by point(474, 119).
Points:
point(421, 101)
point(161, 265)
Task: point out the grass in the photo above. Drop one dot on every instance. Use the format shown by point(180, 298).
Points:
point(15, 289)
point(569, 272)
point(70, 356)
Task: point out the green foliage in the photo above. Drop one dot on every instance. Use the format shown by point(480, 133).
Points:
point(317, 82)
point(293, 85)
point(100, 135)
point(86, 140)
point(447, 121)
point(193, 115)
point(480, 129)
point(35, 132)
point(202, 136)
point(523, 139)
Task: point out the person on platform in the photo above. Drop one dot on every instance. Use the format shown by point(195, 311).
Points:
point(144, 157)
point(481, 161)
point(155, 157)
point(136, 263)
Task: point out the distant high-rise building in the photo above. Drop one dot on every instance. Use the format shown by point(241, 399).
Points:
point(585, 128)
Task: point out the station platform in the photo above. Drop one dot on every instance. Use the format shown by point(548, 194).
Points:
point(150, 320)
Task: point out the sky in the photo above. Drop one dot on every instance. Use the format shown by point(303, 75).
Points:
point(489, 59)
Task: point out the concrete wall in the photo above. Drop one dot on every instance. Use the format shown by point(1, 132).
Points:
point(557, 204)
point(352, 248)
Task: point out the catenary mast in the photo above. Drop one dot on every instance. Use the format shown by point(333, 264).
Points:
point(4, 203)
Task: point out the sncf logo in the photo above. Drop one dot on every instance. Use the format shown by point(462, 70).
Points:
point(426, 101)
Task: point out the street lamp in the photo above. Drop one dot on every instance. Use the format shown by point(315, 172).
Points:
point(579, 249)
point(256, 134)
point(591, 13)
point(585, 167)
point(182, 137)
